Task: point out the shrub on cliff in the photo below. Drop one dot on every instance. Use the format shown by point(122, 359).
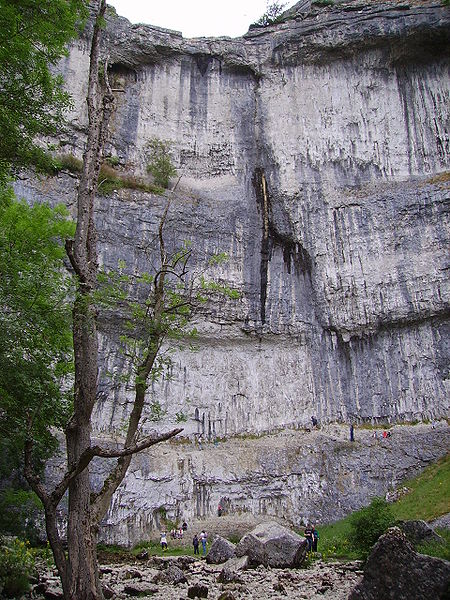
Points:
point(160, 162)
point(271, 16)
point(369, 523)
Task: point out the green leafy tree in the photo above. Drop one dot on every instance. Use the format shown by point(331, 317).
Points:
point(272, 15)
point(33, 37)
point(35, 327)
point(369, 523)
point(160, 162)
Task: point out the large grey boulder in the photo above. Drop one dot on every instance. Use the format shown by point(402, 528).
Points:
point(221, 550)
point(272, 545)
point(418, 532)
point(395, 570)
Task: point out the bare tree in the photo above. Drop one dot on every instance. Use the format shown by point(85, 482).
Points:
point(78, 569)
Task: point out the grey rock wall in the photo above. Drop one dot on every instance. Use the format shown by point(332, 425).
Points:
point(343, 269)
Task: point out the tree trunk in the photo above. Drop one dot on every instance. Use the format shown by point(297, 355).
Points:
point(81, 578)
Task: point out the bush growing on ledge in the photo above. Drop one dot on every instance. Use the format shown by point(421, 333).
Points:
point(323, 2)
point(160, 164)
point(109, 179)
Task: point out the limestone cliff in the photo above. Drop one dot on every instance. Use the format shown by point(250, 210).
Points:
point(315, 153)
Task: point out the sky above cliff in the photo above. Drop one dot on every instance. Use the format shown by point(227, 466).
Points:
point(195, 18)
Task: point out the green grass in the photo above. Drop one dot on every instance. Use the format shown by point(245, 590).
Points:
point(436, 549)
point(429, 495)
point(428, 498)
point(175, 548)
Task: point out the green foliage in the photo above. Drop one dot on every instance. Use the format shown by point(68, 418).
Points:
point(109, 179)
point(272, 15)
point(35, 326)
point(369, 523)
point(16, 565)
point(323, 2)
point(160, 163)
point(429, 493)
point(32, 100)
point(112, 161)
point(156, 411)
point(180, 417)
point(68, 162)
point(19, 511)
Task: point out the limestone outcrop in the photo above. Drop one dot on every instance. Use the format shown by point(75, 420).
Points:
point(315, 153)
point(395, 570)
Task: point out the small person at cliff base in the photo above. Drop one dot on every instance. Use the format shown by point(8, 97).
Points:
point(203, 539)
point(309, 536)
point(352, 433)
point(195, 543)
point(219, 510)
point(315, 539)
point(163, 541)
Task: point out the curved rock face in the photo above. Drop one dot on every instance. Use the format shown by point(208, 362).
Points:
point(315, 153)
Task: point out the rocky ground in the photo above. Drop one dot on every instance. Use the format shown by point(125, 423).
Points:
point(146, 579)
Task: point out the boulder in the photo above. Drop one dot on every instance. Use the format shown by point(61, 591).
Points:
point(227, 575)
point(198, 591)
point(395, 570)
point(172, 574)
point(237, 564)
point(272, 545)
point(221, 550)
point(418, 532)
point(139, 589)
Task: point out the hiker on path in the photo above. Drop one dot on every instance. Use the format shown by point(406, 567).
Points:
point(195, 543)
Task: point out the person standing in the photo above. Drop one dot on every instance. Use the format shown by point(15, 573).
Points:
point(309, 536)
point(352, 433)
point(163, 541)
point(315, 539)
point(195, 543)
point(203, 539)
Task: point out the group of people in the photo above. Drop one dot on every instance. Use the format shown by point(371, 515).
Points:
point(177, 534)
point(312, 538)
point(384, 435)
point(202, 539)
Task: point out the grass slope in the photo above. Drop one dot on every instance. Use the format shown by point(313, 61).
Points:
point(427, 498)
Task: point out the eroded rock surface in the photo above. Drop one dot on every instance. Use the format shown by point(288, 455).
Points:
point(395, 570)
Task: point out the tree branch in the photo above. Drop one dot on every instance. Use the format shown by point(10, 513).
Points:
point(87, 456)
